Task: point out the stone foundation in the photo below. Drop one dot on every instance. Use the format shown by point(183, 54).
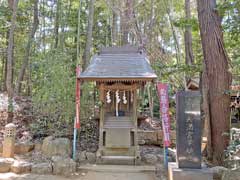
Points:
point(175, 173)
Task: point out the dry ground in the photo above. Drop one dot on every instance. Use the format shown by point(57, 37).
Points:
point(91, 175)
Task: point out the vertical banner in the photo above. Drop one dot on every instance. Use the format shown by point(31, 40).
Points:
point(77, 120)
point(162, 89)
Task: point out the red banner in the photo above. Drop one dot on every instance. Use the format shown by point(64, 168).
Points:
point(164, 111)
point(77, 121)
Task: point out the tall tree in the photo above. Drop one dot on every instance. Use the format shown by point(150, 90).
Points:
point(114, 23)
point(57, 22)
point(9, 78)
point(189, 59)
point(28, 47)
point(87, 52)
point(126, 17)
point(216, 80)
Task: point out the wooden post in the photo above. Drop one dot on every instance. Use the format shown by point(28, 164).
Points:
point(135, 106)
point(101, 89)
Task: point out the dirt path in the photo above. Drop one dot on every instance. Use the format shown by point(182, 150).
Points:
point(91, 175)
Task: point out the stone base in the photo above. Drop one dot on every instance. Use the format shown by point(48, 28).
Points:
point(175, 173)
point(116, 160)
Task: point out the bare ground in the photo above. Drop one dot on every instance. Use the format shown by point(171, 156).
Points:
point(91, 175)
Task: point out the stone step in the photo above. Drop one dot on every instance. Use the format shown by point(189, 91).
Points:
point(117, 160)
point(118, 152)
point(117, 168)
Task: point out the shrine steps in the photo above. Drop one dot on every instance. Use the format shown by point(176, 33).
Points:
point(118, 122)
point(117, 168)
point(116, 160)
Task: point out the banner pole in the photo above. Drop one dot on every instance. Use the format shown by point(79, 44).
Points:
point(77, 117)
point(166, 157)
point(162, 89)
point(74, 140)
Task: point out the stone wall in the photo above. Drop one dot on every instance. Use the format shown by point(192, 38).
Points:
point(154, 137)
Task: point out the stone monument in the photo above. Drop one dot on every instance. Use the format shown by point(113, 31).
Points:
point(188, 139)
point(189, 129)
point(9, 140)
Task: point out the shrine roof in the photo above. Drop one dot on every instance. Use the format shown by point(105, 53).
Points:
point(119, 63)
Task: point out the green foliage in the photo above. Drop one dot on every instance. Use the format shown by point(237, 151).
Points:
point(230, 11)
point(53, 92)
point(234, 146)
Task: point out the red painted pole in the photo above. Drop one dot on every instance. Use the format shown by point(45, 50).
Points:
point(77, 122)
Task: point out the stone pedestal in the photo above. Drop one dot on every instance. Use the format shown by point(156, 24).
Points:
point(175, 173)
point(9, 141)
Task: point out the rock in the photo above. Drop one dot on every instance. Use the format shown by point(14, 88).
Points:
point(232, 163)
point(42, 168)
point(172, 153)
point(161, 157)
point(22, 148)
point(231, 174)
point(20, 167)
point(82, 156)
point(141, 142)
point(1, 148)
point(161, 172)
point(149, 137)
point(91, 157)
point(218, 172)
point(5, 164)
point(56, 147)
point(150, 158)
point(38, 147)
point(63, 166)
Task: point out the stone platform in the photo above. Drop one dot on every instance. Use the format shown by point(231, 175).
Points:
point(175, 173)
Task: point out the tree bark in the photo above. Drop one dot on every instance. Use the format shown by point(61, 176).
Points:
point(126, 17)
point(86, 55)
point(9, 77)
point(216, 80)
point(114, 25)
point(56, 28)
point(177, 46)
point(28, 48)
point(189, 58)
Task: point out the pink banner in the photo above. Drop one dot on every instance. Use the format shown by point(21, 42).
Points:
point(77, 122)
point(164, 111)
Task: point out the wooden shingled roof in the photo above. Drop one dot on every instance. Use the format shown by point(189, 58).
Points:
point(119, 64)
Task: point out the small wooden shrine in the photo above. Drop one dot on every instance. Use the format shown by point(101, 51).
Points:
point(119, 73)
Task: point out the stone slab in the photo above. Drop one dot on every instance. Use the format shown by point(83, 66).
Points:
point(118, 138)
point(19, 167)
point(117, 168)
point(175, 173)
point(189, 129)
point(116, 160)
point(8, 148)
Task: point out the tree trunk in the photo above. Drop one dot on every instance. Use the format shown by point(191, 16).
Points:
point(177, 46)
point(56, 28)
point(216, 80)
point(188, 35)
point(126, 17)
point(28, 48)
point(114, 25)
point(86, 56)
point(9, 77)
